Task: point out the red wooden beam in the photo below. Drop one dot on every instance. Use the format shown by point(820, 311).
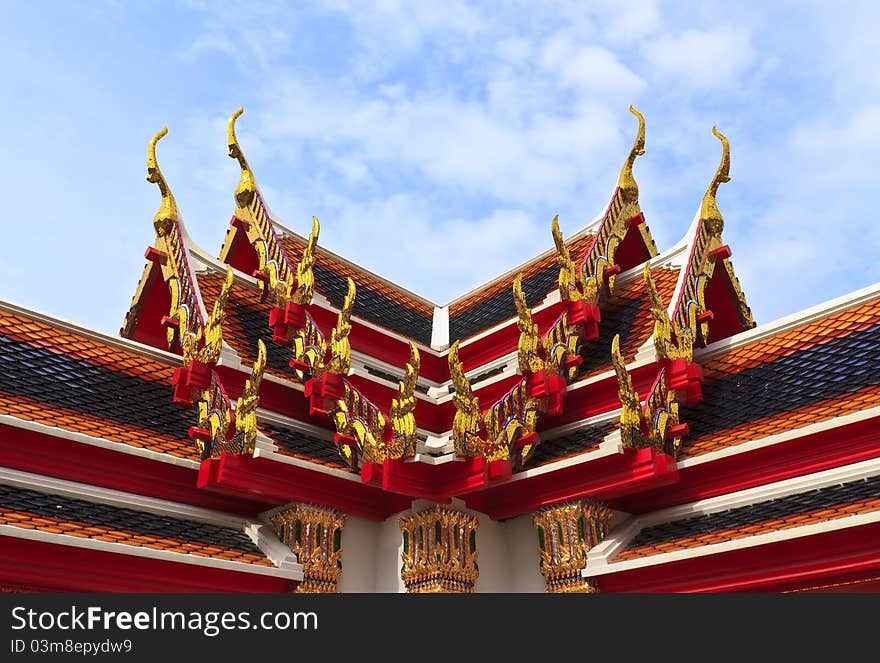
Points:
point(802, 562)
point(604, 478)
point(69, 568)
point(31, 451)
point(279, 483)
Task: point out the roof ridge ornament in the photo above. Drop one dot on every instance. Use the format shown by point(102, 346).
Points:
point(247, 403)
point(626, 182)
point(403, 421)
point(213, 331)
point(167, 213)
point(709, 211)
point(247, 184)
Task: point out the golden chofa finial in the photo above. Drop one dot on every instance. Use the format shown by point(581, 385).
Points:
point(167, 214)
point(626, 182)
point(709, 211)
point(247, 185)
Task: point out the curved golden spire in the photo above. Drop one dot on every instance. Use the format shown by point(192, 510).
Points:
point(246, 406)
point(305, 277)
point(403, 420)
point(568, 276)
point(529, 338)
point(626, 182)
point(468, 416)
point(167, 214)
point(630, 408)
point(340, 349)
point(247, 185)
point(709, 211)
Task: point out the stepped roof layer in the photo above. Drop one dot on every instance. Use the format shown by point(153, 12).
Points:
point(805, 373)
point(810, 507)
point(80, 382)
point(23, 508)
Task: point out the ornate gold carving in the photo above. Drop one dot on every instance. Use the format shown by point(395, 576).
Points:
point(260, 232)
point(615, 224)
point(670, 340)
point(315, 537)
point(340, 349)
point(247, 184)
point(305, 277)
point(439, 551)
point(213, 333)
point(629, 189)
point(215, 417)
point(355, 416)
point(167, 215)
point(703, 262)
point(630, 408)
point(529, 338)
point(566, 532)
point(246, 406)
point(403, 420)
point(709, 211)
point(467, 423)
point(647, 426)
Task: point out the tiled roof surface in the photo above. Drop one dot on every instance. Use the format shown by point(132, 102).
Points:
point(628, 314)
point(247, 321)
point(818, 371)
point(305, 447)
point(30, 509)
point(494, 303)
point(80, 384)
point(378, 301)
point(566, 446)
point(806, 508)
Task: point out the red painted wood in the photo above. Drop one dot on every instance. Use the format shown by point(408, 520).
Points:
point(604, 479)
point(66, 568)
point(30, 451)
point(279, 483)
point(803, 455)
point(788, 564)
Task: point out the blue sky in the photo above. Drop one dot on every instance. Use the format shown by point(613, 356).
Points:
point(436, 140)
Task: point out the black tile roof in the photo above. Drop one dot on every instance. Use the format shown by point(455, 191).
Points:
point(77, 385)
point(583, 439)
point(140, 522)
point(759, 512)
point(299, 443)
point(375, 306)
point(617, 318)
point(824, 371)
point(501, 306)
point(255, 325)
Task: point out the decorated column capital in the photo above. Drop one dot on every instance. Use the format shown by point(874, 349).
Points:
point(314, 535)
point(566, 532)
point(439, 551)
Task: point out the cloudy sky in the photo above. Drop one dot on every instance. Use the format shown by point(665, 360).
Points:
point(436, 140)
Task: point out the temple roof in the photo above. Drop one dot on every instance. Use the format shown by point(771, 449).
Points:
point(76, 380)
point(801, 373)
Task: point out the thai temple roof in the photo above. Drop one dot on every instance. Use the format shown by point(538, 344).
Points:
point(278, 383)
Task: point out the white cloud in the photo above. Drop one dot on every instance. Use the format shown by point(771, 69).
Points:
point(701, 60)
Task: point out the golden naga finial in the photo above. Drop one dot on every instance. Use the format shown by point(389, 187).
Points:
point(247, 185)
point(167, 214)
point(626, 182)
point(213, 333)
point(630, 408)
point(246, 406)
point(568, 275)
point(529, 338)
point(573, 284)
point(709, 211)
point(340, 349)
point(466, 425)
point(670, 341)
point(403, 421)
point(305, 277)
